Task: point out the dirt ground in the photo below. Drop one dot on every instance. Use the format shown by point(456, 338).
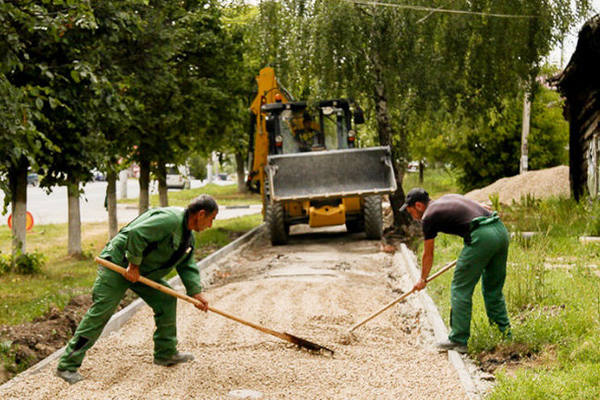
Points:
point(33, 341)
point(315, 287)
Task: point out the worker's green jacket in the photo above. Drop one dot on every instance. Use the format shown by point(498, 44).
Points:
point(157, 241)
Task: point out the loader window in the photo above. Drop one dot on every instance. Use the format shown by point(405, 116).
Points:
point(288, 125)
point(335, 128)
point(300, 132)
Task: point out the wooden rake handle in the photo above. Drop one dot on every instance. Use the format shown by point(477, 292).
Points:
point(405, 295)
point(171, 292)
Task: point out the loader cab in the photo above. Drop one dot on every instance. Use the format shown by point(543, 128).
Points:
point(336, 123)
point(291, 128)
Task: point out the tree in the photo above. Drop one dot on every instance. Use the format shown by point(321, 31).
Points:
point(115, 40)
point(491, 151)
point(175, 83)
point(417, 68)
point(20, 139)
point(241, 26)
point(25, 75)
point(80, 100)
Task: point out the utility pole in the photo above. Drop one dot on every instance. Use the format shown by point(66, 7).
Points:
point(525, 131)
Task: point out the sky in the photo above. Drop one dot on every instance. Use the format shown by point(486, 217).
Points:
point(571, 41)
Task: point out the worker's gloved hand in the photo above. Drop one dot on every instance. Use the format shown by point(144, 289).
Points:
point(203, 305)
point(420, 285)
point(133, 273)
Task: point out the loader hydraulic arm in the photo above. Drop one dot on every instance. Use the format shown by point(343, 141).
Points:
point(269, 91)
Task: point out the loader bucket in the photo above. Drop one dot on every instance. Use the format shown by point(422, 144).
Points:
point(331, 173)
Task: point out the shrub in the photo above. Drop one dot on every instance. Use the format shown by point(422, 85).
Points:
point(5, 264)
point(29, 263)
point(23, 263)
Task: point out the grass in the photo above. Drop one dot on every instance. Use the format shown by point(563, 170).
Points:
point(226, 196)
point(26, 297)
point(437, 182)
point(553, 298)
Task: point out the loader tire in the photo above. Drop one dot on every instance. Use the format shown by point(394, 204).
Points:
point(276, 224)
point(373, 217)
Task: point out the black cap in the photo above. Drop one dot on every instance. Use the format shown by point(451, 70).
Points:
point(414, 195)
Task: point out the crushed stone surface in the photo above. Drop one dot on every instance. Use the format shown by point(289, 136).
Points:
point(550, 182)
point(391, 357)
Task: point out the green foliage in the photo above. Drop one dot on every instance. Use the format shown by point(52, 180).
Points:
point(578, 381)
point(197, 165)
point(23, 264)
point(5, 263)
point(556, 217)
point(492, 149)
point(29, 263)
point(495, 201)
point(437, 181)
point(437, 86)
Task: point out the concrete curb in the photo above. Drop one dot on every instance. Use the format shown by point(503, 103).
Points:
point(207, 269)
point(435, 319)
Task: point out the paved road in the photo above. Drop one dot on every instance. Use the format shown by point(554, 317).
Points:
point(52, 208)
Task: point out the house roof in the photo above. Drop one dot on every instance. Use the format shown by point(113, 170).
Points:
point(581, 74)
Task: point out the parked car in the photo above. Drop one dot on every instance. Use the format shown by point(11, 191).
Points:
point(178, 177)
point(99, 176)
point(413, 166)
point(32, 179)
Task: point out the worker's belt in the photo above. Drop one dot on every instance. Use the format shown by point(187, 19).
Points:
point(480, 221)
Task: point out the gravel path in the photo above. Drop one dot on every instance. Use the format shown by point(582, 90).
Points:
point(315, 288)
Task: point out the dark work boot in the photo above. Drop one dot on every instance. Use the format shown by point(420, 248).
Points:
point(69, 376)
point(450, 345)
point(176, 358)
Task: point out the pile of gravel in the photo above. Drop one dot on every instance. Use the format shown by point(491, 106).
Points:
point(544, 183)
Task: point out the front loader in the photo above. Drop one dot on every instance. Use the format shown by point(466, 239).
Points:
point(313, 172)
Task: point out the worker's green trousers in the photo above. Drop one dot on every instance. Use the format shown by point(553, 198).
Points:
point(108, 291)
point(485, 256)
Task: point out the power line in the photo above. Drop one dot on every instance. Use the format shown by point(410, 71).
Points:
point(437, 10)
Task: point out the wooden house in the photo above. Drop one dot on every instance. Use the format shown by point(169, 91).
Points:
point(579, 83)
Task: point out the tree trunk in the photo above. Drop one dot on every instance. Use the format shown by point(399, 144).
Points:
point(123, 175)
point(18, 186)
point(163, 196)
point(144, 199)
point(384, 130)
point(239, 166)
point(111, 204)
point(421, 171)
point(74, 235)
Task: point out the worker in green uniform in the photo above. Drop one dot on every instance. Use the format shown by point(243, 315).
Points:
point(151, 246)
point(483, 256)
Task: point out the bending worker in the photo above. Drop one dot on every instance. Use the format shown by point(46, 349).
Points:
point(151, 245)
point(484, 255)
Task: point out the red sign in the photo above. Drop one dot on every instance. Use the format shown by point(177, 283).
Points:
point(28, 221)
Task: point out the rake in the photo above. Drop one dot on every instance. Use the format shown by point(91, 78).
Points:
point(281, 335)
point(404, 296)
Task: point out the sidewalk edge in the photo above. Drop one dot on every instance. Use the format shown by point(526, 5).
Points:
point(439, 328)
